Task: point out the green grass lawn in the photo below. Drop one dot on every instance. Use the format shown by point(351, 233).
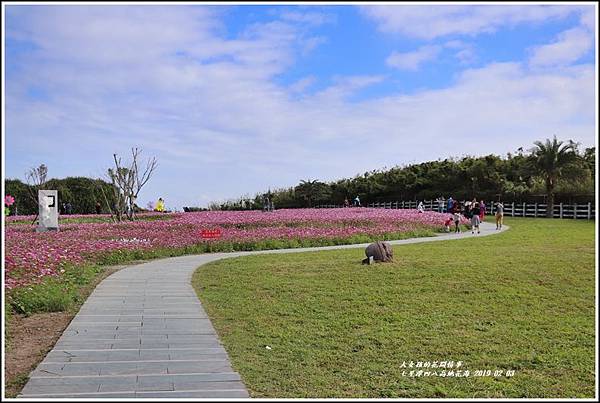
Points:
point(522, 300)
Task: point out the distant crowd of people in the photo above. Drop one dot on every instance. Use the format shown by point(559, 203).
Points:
point(472, 210)
point(355, 202)
point(268, 204)
point(67, 208)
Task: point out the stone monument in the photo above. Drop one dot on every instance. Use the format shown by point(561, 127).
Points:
point(379, 251)
point(48, 213)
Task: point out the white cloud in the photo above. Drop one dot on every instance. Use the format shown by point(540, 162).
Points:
point(432, 21)
point(310, 43)
point(209, 108)
point(303, 84)
point(345, 86)
point(588, 19)
point(570, 46)
point(308, 17)
point(464, 52)
point(413, 60)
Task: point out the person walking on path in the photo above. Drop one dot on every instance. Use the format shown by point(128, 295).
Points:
point(346, 202)
point(456, 213)
point(356, 201)
point(456, 218)
point(475, 220)
point(481, 211)
point(450, 205)
point(421, 207)
point(499, 215)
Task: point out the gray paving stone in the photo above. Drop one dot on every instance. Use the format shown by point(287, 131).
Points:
point(60, 388)
point(156, 384)
point(184, 344)
point(190, 367)
point(114, 395)
point(63, 369)
point(149, 355)
point(193, 355)
point(198, 377)
point(138, 368)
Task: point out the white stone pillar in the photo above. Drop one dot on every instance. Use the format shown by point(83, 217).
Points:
point(48, 210)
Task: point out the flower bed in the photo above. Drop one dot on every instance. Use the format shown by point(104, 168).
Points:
point(31, 256)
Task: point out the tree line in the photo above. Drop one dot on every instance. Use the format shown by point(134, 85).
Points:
point(551, 171)
point(80, 192)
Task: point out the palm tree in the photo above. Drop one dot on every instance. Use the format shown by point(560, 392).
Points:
point(551, 159)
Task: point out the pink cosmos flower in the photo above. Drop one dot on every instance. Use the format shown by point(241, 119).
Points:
point(30, 256)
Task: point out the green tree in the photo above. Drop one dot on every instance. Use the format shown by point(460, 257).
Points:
point(24, 203)
point(312, 191)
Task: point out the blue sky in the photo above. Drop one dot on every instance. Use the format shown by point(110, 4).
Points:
point(233, 100)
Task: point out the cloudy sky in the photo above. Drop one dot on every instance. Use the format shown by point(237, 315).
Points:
point(233, 100)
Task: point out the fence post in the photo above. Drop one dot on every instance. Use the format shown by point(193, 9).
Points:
point(512, 211)
point(524, 208)
point(575, 211)
point(535, 209)
point(560, 212)
point(396, 204)
point(589, 211)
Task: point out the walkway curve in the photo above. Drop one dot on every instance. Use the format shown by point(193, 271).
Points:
point(143, 333)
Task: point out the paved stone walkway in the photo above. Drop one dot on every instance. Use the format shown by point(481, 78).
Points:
point(143, 333)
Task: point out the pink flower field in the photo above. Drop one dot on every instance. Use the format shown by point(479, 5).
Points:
point(30, 256)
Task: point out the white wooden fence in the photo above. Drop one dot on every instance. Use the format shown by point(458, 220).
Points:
point(585, 211)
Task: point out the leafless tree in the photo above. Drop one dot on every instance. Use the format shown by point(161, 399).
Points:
point(127, 182)
point(36, 178)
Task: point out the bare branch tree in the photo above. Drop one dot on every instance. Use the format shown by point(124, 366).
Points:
point(36, 178)
point(127, 183)
point(140, 180)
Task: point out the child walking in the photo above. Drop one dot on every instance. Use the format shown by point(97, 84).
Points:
point(448, 223)
point(456, 217)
